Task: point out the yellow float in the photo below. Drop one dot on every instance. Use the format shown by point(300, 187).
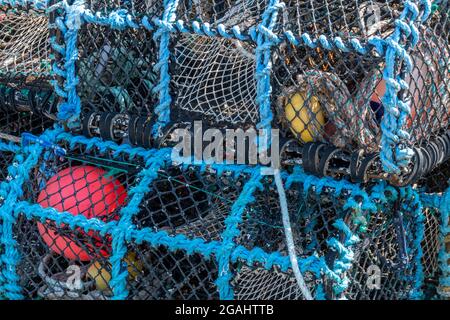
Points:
point(101, 274)
point(306, 121)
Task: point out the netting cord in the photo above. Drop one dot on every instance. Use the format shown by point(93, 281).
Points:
point(289, 238)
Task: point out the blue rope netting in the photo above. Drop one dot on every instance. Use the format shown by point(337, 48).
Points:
point(226, 251)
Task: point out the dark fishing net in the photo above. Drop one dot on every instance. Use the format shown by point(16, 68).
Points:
point(6, 159)
point(162, 274)
point(438, 179)
point(189, 202)
point(384, 267)
point(431, 245)
point(352, 19)
point(230, 13)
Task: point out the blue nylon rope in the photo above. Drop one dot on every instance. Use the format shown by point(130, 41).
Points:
point(231, 231)
point(165, 26)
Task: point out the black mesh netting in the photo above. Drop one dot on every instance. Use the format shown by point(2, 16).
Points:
point(162, 274)
point(189, 202)
point(242, 13)
point(431, 246)
point(136, 8)
point(437, 180)
point(352, 19)
point(26, 97)
point(384, 266)
point(6, 159)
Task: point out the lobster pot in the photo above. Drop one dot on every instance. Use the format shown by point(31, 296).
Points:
point(26, 96)
point(327, 96)
point(115, 67)
point(336, 97)
point(314, 219)
point(60, 260)
point(387, 258)
point(332, 96)
point(312, 215)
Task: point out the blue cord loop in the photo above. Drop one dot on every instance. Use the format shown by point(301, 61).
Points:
point(165, 27)
point(395, 154)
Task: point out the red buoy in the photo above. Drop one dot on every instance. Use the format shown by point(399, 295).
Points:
point(84, 190)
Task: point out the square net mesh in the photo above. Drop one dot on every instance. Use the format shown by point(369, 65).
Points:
point(214, 81)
